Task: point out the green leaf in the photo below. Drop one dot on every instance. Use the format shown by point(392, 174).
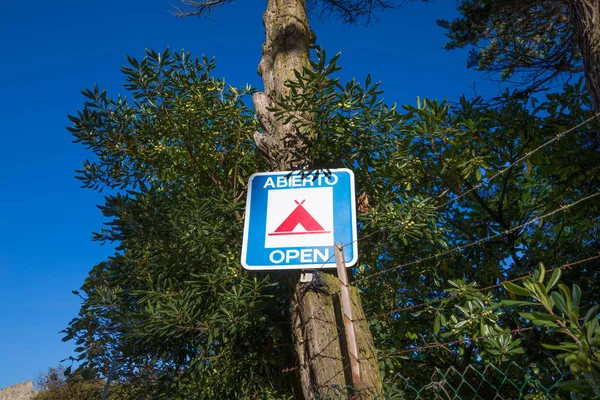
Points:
point(461, 324)
point(511, 287)
point(559, 301)
point(566, 292)
point(563, 346)
point(483, 328)
point(541, 273)
point(553, 279)
point(529, 285)
point(593, 328)
point(436, 325)
point(456, 285)
point(575, 386)
point(592, 313)
point(518, 303)
point(527, 315)
point(542, 294)
point(574, 316)
point(546, 316)
point(576, 295)
point(543, 323)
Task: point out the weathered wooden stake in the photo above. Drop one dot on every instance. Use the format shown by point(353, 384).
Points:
point(347, 312)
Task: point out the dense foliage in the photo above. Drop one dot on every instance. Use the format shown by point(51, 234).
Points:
point(559, 311)
point(174, 315)
point(412, 166)
point(54, 385)
point(530, 42)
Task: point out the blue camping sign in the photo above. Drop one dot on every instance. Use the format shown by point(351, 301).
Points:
point(293, 220)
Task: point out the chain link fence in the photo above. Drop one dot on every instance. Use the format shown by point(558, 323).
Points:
point(482, 382)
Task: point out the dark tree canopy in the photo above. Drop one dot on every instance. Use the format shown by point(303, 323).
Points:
point(534, 43)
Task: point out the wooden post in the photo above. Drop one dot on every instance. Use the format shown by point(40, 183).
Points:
point(347, 312)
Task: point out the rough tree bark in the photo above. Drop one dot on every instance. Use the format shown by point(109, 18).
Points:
point(316, 322)
point(285, 49)
point(585, 17)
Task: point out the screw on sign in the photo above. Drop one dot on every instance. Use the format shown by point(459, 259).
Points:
point(293, 220)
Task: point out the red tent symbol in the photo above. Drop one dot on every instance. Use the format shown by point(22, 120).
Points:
point(299, 217)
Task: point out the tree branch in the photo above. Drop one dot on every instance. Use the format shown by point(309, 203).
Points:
point(198, 8)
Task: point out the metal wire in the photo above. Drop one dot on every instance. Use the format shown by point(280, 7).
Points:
point(436, 345)
point(485, 180)
point(524, 157)
point(435, 301)
point(479, 241)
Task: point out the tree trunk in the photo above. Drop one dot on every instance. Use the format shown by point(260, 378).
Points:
point(286, 49)
point(315, 317)
point(585, 17)
point(321, 348)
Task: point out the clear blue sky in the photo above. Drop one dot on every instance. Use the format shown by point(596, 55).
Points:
point(53, 49)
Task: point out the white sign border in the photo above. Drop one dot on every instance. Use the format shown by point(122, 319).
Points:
point(320, 266)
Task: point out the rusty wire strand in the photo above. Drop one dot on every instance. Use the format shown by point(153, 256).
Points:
point(462, 247)
point(409, 308)
point(479, 241)
point(436, 345)
point(458, 248)
point(485, 181)
point(335, 375)
point(435, 301)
